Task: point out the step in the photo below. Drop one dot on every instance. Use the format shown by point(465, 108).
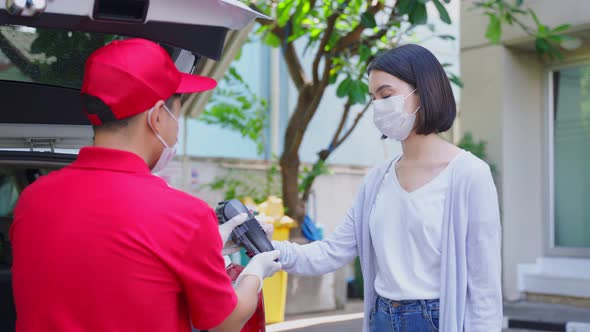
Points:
point(540, 316)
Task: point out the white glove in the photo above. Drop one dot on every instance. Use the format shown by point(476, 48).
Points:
point(268, 228)
point(262, 266)
point(225, 231)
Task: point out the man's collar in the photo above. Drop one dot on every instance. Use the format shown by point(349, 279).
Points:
point(110, 159)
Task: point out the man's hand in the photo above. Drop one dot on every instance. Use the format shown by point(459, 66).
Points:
point(263, 265)
point(225, 231)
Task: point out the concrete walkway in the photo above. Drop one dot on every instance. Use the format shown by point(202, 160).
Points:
point(518, 316)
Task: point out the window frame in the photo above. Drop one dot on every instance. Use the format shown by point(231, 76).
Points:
point(551, 248)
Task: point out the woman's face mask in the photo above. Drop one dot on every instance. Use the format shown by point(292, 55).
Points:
point(391, 119)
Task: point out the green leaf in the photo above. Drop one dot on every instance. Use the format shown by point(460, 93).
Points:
point(272, 40)
point(556, 38)
point(358, 92)
point(442, 11)
point(535, 18)
point(561, 28)
point(555, 53)
point(542, 45)
point(543, 30)
point(364, 52)
point(423, 1)
point(456, 80)
point(333, 78)
point(368, 20)
point(494, 31)
point(446, 37)
point(419, 14)
point(344, 88)
point(315, 33)
point(284, 12)
point(405, 6)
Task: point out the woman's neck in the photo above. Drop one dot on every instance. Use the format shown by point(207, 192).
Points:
point(424, 148)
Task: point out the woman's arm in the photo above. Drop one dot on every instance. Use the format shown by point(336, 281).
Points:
point(324, 256)
point(483, 310)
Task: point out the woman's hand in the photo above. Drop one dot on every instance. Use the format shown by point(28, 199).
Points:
point(268, 228)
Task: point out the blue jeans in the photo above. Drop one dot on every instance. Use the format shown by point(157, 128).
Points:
point(404, 316)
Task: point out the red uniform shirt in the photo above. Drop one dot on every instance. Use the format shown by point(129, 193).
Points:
point(103, 245)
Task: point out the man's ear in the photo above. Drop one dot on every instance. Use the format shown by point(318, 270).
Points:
point(157, 115)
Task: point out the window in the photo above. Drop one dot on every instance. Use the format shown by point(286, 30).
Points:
point(57, 57)
point(571, 159)
point(8, 194)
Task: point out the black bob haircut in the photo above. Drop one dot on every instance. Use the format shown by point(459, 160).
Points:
point(418, 67)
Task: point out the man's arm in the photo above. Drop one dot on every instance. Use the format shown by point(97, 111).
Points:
point(249, 284)
point(247, 292)
point(213, 302)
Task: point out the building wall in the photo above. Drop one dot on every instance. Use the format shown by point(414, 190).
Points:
point(505, 102)
point(550, 12)
point(500, 104)
point(523, 145)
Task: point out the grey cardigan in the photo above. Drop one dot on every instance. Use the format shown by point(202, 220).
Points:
point(471, 294)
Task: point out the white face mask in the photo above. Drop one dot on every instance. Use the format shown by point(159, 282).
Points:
point(391, 120)
point(168, 152)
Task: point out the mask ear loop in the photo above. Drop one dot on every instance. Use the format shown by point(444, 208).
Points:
point(170, 112)
point(409, 94)
point(175, 119)
point(152, 128)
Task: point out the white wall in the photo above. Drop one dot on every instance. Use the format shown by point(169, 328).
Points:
point(523, 167)
point(505, 102)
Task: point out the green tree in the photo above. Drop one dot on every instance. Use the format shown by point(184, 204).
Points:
point(342, 37)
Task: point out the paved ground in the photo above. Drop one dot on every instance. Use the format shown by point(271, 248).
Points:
point(354, 325)
point(346, 326)
point(350, 319)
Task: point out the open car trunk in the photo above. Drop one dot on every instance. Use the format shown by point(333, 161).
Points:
point(42, 57)
point(17, 170)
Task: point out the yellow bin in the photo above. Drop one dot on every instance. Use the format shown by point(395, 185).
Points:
point(275, 287)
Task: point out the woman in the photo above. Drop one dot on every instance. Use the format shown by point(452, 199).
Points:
point(426, 224)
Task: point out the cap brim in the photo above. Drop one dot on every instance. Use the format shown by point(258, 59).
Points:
point(194, 83)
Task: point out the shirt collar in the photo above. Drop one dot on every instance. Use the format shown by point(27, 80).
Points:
point(110, 159)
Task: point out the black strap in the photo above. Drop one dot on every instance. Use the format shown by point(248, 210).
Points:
point(94, 105)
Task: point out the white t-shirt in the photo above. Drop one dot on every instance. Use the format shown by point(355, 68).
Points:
point(406, 230)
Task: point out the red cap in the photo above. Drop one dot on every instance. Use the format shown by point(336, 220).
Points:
point(131, 75)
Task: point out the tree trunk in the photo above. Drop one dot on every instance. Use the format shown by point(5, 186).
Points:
point(309, 99)
point(290, 173)
point(290, 161)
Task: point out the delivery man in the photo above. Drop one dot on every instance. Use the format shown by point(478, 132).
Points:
point(103, 244)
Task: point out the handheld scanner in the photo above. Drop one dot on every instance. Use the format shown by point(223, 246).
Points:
point(248, 235)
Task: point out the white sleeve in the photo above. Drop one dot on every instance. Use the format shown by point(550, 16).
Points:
point(321, 257)
point(484, 266)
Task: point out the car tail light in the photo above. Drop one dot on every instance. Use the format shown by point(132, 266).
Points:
point(257, 322)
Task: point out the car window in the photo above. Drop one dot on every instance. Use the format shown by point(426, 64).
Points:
point(50, 56)
point(8, 194)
